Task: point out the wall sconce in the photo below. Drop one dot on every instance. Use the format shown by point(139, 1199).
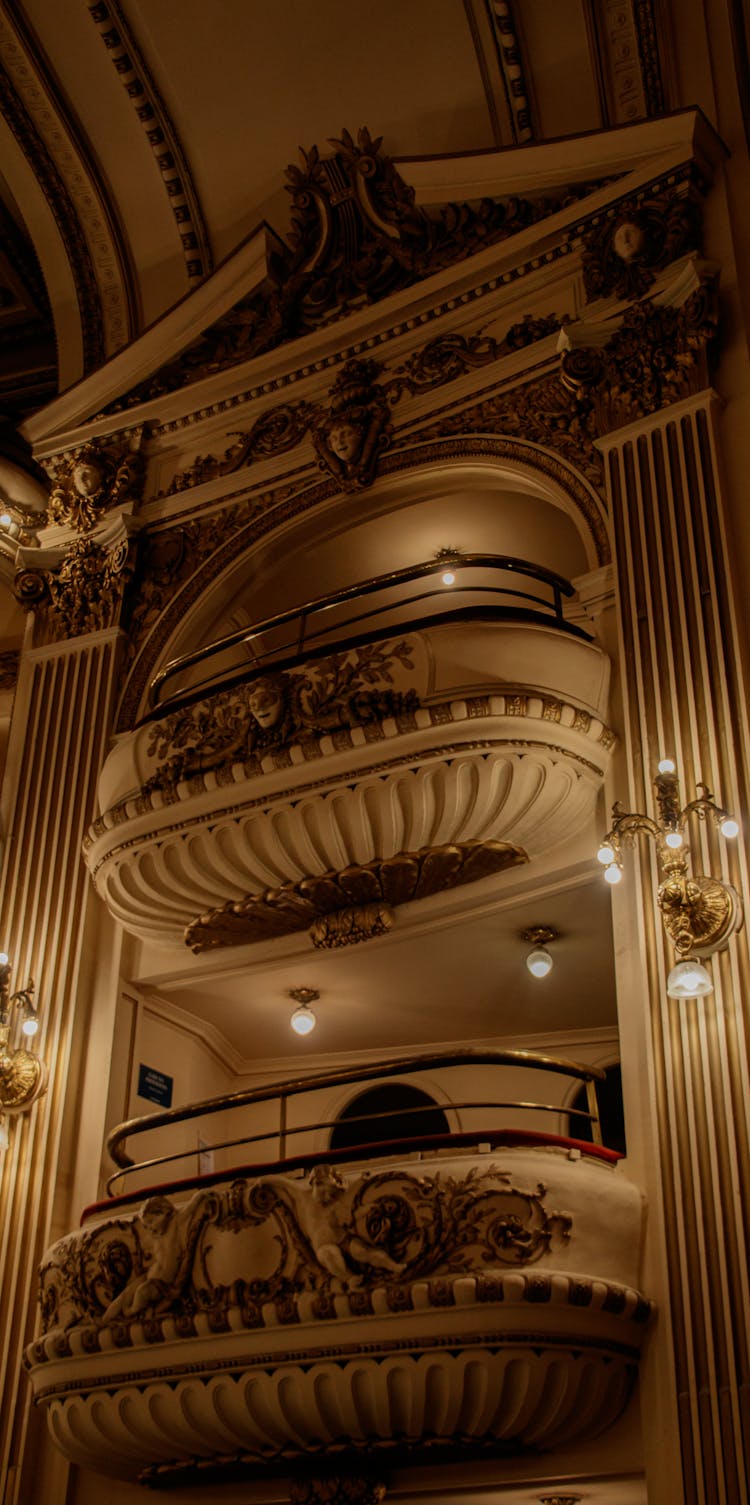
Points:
point(303, 1020)
point(539, 961)
point(23, 1077)
point(699, 912)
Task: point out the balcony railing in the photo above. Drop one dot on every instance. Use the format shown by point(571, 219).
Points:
point(487, 587)
point(280, 1094)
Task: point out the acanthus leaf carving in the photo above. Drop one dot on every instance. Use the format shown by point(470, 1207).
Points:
point(84, 594)
point(657, 355)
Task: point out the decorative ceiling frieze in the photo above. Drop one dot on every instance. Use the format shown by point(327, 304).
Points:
point(357, 235)
point(169, 154)
point(359, 405)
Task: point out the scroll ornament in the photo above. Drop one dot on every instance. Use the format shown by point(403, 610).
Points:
point(321, 1235)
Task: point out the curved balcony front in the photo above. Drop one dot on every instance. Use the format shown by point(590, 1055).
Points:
point(325, 794)
point(477, 1292)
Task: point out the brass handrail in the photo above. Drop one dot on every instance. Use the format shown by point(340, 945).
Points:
point(395, 1066)
point(274, 659)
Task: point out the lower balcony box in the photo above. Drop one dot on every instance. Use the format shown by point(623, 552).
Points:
point(462, 1299)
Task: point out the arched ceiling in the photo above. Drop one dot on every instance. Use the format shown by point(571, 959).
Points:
point(143, 140)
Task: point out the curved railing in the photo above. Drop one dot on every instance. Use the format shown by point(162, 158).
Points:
point(280, 1093)
point(527, 592)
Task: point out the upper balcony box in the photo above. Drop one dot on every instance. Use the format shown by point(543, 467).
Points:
point(390, 754)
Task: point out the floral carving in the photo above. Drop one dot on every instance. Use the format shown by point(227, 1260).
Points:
point(249, 720)
point(89, 480)
point(325, 1233)
point(544, 412)
point(658, 355)
point(85, 594)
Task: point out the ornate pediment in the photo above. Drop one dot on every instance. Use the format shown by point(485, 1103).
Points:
point(356, 235)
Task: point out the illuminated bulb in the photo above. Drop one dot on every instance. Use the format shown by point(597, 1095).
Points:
point(30, 1025)
point(689, 979)
point(4, 959)
point(5, 519)
point(613, 873)
point(666, 766)
point(539, 962)
point(673, 839)
point(449, 578)
point(606, 855)
point(729, 827)
point(303, 1020)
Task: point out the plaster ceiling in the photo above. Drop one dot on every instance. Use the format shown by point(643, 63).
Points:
point(437, 978)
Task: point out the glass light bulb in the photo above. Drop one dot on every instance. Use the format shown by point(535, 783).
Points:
point(673, 839)
point(449, 578)
point(539, 962)
point(689, 979)
point(613, 873)
point(303, 1020)
point(5, 519)
point(666, 766)
point(30, 1025)
point(4, 959)
point(730, 827)
point(606, 855)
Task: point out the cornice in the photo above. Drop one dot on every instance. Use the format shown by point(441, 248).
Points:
point(487, 272)
point(168, 152)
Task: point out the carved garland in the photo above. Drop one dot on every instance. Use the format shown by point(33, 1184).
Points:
point(317, 1236)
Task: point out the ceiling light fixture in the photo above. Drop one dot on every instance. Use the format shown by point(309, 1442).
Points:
point(699, 912)
point(303, 1020)
point(539, 961)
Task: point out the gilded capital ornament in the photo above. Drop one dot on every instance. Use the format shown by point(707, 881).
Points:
point(93, 478)
point(655, 356)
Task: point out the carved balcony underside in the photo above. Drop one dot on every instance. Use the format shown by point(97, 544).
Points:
point(443, 757)
point(483, 1301)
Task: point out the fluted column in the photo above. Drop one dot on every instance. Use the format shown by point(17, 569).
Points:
point(682, 690)
point(51, 923)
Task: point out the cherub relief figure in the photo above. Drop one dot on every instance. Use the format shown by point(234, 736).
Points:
point(167, 1237)
point(318, 1216)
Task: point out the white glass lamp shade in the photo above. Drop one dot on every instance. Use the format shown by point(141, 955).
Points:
point(539, 961)
point(303, 1020)
point(689, 979)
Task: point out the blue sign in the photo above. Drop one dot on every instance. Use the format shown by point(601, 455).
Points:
point(155, 1085)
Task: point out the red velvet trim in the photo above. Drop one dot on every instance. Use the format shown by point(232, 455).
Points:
point(360, 1152)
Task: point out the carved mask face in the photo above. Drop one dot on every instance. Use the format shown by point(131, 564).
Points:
point(627, 241)
point(87, 478)
point(345, 441)
point(265, 703)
